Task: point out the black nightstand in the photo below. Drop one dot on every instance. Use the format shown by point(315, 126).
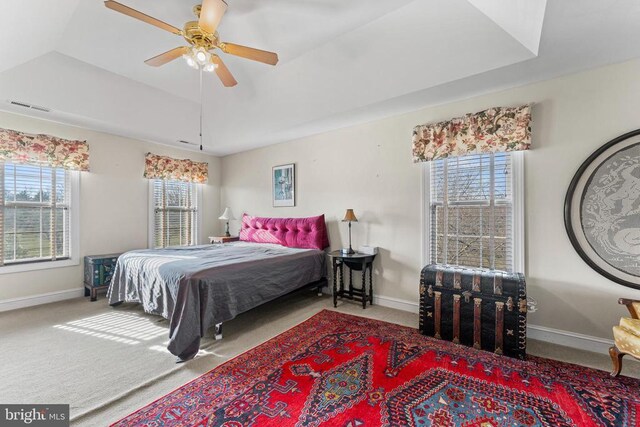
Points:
point(358, 262)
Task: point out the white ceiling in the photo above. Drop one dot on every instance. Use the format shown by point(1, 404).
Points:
point(341, 62)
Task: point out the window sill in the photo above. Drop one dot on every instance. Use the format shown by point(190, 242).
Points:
point(33, 266)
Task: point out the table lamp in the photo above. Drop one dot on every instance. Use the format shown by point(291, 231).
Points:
point(227, 215)
point(349, 217)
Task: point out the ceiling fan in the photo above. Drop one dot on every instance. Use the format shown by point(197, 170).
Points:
point(203, 38)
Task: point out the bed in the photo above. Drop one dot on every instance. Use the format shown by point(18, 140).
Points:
point(198, 287)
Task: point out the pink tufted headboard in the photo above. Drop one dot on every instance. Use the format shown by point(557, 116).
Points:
point(304, 233)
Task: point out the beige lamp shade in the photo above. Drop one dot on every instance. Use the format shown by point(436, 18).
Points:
point(227, 215)
point(350, 216)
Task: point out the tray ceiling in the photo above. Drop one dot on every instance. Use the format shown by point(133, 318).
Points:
point(341, 62)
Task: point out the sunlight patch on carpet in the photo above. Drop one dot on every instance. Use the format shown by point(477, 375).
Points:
point(126, 328)
point(96, 334)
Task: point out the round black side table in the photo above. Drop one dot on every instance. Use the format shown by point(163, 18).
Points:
point(358, 262)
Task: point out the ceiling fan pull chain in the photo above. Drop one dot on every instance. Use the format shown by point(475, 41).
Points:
point(200, 108)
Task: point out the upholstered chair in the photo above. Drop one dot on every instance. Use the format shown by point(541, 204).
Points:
point(626, 336)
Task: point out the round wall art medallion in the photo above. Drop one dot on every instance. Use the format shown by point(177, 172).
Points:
point(602, 210)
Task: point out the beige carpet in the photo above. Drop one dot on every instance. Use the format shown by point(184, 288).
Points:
point(108, 362)
point(80, 353)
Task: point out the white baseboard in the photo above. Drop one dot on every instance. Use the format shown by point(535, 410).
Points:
point(16, 303)
point(569, 339)
point(398, 304)
point(540, 333)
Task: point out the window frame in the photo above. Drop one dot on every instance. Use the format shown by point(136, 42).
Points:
point(151, 213)
point(517, 215)
point(74, 234)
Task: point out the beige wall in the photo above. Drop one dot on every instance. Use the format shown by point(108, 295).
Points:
point(368, 168)
point(114, 202)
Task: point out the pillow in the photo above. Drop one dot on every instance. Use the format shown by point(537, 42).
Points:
point(303, 233)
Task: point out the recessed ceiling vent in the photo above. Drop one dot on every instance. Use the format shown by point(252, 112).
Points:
point(182, 141)
point(30, 106)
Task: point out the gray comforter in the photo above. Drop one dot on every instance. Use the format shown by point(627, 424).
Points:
point(199, 286)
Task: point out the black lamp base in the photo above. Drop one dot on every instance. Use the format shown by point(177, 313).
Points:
point(226, 233)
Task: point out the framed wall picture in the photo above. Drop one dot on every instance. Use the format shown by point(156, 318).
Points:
point(602, 210)
point(283, 185)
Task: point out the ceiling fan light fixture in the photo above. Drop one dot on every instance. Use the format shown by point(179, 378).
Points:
point(190, 61)
point(201, 55)
point(210, 67)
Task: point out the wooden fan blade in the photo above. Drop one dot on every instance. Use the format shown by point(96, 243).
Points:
point(118, 7)
point(223, 72)
point(250, 53)
point(211, 12)
point(168, 56)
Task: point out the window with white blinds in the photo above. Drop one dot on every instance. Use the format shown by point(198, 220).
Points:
point(34, 214)
point(175, 213)
point(471, 211)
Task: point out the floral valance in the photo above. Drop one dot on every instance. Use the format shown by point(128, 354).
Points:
point(162, 167)
point(44, 150)
point(489, 131)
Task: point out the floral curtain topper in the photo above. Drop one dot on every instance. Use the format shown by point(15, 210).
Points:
point(43, 150)
point(489, 131)
point(162, 167)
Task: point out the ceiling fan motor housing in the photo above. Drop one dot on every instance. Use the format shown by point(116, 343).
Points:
point(195, 36)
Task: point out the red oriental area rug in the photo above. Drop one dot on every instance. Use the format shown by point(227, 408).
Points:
point(348, 371)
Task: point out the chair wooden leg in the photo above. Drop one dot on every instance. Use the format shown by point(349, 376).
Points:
point(616, 359)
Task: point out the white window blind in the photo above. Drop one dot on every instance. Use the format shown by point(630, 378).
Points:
point(34, 213)
point(175, 209)
point(471, 211)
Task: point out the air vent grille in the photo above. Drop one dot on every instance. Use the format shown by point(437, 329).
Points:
point(30, 106)
point(20, 104)
point(39, 108)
